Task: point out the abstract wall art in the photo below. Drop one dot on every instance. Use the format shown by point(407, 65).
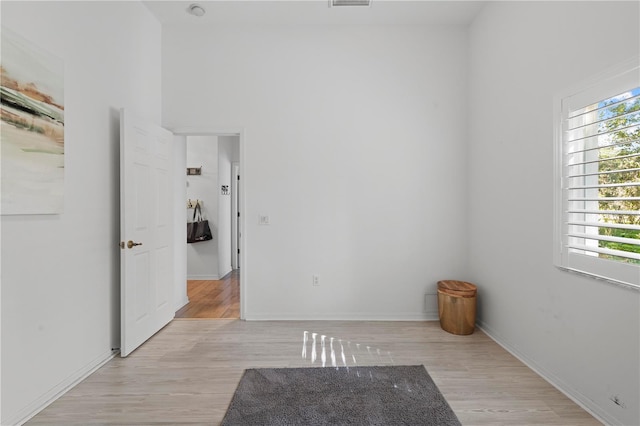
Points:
point(31, 128)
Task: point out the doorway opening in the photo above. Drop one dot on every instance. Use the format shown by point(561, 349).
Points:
point(213, 298)
point(213, 281)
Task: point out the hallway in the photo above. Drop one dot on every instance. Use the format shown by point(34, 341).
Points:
point(213, 298)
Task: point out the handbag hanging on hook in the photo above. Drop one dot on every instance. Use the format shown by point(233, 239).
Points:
point(198, 230)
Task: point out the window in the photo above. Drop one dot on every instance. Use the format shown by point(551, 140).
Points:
point(598, 177)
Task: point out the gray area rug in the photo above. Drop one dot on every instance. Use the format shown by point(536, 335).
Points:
point(395, 395)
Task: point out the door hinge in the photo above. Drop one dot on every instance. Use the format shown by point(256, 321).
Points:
point(238, 177)
point(238, 214)
point(238, 251)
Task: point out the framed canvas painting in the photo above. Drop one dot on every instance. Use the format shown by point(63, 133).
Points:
point(31, 128)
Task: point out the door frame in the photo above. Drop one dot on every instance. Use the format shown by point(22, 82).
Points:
point(241, 134)
point(235, 218)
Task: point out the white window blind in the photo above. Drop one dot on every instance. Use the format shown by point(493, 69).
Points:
point(598, 169)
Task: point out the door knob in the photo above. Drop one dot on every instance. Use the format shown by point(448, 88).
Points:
point(131, 244)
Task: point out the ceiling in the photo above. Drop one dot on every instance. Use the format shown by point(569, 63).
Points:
point(317, 12)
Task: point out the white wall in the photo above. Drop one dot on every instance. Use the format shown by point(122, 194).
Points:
point(355, 149)
point(61, 273)
point(581, 333)
point(202, 257)
point(228, 152)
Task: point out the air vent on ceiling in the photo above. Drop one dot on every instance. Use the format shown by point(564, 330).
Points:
point(339, 3)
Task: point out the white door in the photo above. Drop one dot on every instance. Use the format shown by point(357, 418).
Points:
point(146, 220)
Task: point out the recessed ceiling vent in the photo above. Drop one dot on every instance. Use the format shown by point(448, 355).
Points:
point(341, 3)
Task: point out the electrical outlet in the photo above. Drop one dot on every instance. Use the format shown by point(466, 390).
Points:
point(263, 220)
point(316, 280)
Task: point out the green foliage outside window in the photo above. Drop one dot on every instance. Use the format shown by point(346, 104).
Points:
point(623, 158)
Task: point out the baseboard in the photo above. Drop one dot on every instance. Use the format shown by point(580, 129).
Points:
point(584, 402)
point(63, 387)
point(226, 273)
point(421, 316)
point(203, 277)
point(181, 304)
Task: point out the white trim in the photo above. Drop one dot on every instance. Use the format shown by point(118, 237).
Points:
point(582, 400)
point(203, 277)
point(403, 316)
point(242, 135)
point(225, 273)
point(606, 83)
point(182, 303)
point(558, 217)
point(607, 74)
point(63, 387)
point(235, 232)
point(600, 278)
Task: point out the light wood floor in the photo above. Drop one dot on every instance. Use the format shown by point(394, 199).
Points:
point(187, 373)
point(213, 298)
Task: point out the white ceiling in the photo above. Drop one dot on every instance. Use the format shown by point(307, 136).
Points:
point(318, 12)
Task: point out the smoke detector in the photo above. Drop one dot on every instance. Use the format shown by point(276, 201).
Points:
point(196, 10)
point(340, 3)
